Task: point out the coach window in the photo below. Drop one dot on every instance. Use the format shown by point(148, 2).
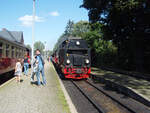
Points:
point(13, 52)
point(19, 53)
point(22, 53)
point(16, 52)
point(7, 50)
point(1, 49)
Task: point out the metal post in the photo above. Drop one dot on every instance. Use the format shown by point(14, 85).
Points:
point(45, 50)
point(33, 22)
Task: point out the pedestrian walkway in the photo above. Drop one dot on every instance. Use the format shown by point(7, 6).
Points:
point(140, 86)
point(26, 98)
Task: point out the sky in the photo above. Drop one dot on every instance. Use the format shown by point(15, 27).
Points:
point(51, 18)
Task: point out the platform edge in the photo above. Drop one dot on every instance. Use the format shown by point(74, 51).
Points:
point(67, 97)
point(7, 82)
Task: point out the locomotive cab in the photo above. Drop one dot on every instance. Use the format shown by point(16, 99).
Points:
point(78, 54)
point(75, 58)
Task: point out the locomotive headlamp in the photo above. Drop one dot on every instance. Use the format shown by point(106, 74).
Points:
point(87, 61)
point(68, 61)
point(77, 43)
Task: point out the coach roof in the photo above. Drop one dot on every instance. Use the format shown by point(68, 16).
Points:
point(15, 36)
point(12, 36)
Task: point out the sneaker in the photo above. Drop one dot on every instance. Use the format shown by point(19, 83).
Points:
point(31, 80)
point(44, 84)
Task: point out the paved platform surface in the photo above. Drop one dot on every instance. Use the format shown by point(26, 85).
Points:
point(26, 98)
point(141, 86)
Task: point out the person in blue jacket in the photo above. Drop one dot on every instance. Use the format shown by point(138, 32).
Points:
point(40, 69)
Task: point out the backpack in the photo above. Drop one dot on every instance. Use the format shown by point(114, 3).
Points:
point(42, 60)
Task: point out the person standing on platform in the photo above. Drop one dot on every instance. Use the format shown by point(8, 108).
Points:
point(40, 68)
point(18, 70)
point(35, 69)
point(26, 65)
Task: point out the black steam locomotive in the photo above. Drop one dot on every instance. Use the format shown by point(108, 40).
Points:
point(73, 57)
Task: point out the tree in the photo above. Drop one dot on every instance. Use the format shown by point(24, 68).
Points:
point(80, 28)
point(28, 46)
point(49, 52)
point(103, 52)
point(126, 24)
point(74, 29)
point(39, 45)
point(69, 28)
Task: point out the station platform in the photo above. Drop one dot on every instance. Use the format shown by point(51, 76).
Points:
point(137, 88)
point(26, 98)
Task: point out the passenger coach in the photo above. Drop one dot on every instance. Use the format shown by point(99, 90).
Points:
point(11, 48)
point(73, 57)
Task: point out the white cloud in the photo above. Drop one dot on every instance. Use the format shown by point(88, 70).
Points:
point(54, 13)
point(27, 20)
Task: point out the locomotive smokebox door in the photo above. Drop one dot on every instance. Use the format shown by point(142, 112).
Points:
point(78, 71)
point(77, 60)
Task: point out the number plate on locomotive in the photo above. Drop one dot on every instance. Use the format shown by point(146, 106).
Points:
point(78, 71)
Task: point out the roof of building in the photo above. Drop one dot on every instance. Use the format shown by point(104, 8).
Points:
point(13, 36)
point(18, 36)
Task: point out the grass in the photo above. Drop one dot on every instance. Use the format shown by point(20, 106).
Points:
point(61, 96)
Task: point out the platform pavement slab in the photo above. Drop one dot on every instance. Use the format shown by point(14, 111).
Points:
point(26, 98)
point(140, 86)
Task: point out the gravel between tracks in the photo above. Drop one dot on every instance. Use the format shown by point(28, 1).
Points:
point(106, 104)
point(81, 103)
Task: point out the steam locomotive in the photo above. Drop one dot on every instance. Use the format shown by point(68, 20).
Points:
point(72, 56)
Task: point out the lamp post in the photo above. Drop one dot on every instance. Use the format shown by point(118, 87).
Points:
point(45, 50)
point(33, 23)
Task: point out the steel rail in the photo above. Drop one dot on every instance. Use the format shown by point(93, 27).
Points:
point(99, 109)
point(126, 107)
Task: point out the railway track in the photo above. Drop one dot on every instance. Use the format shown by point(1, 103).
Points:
point(99, 98)
point(102, 101)
point(6, 77)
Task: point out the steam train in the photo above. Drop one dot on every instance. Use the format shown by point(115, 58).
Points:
point(72, 56)
point(11, 48)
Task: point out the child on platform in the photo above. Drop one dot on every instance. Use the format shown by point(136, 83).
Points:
point(18, 70)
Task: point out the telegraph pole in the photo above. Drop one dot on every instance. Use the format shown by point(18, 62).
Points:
point(33, 33)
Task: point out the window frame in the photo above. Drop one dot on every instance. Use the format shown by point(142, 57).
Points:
point(7, 50)
point(1, 48)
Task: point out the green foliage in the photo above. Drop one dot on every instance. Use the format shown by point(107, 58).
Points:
point(69, 28)
point(39, 45)
point(103, 51)
point(80, 28)
point(125, 23)
point(49, 53)
point(28, 46)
